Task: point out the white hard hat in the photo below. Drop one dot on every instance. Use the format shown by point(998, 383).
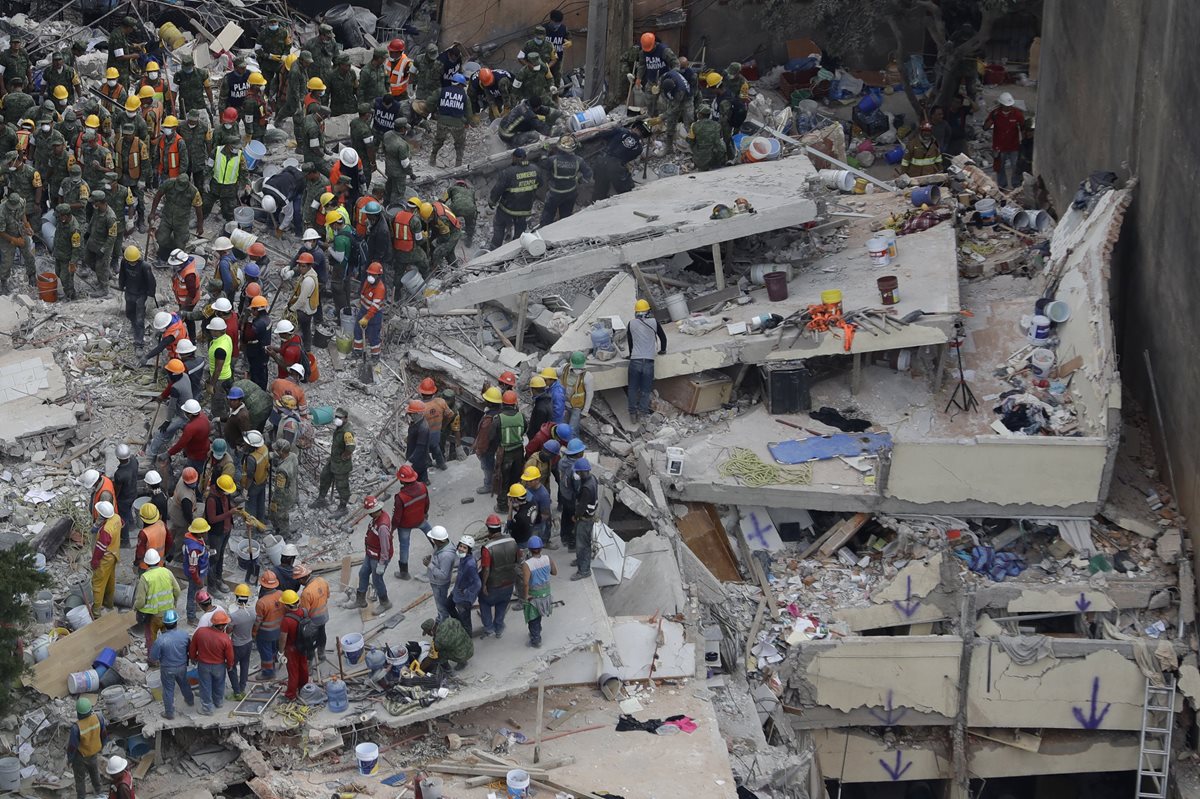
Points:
point(253, 438)
point(153, 478)
point(288, 273)
point(348, 156)
point(439, 534)
point(216, 323)
point(177, 257)
point(185, 347)
point(284, 326)
point(89, 479)
point(297, 367)
point(1006, 99)
point(152, 557)
point(310, 235)
point(191, 406)
point(123, 452)
point(222, 243)
point(289, 551)
point(268, 204)
point(116, 763)
point(469, 540)
point(105, 509)
point(222, 305)
point(161, 320)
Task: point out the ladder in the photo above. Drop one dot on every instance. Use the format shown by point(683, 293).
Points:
point(1154, 758)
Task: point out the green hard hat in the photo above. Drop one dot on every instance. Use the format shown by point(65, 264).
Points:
point(578, 359)
point(83, 706)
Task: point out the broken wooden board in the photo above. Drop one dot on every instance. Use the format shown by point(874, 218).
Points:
point(704, 535)
point(77, 651)
point(848, 528)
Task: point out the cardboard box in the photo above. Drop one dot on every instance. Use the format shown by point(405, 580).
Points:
point(697, 393)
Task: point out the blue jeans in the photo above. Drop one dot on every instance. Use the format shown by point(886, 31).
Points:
point(172, 676)
point(216, 561)
point(268, 646)
point(256, 501)
point(574, 418)
point(403, 536)
point(241, 667)
point(212, 685)
point(158, 444)
point(493, 606)
point(435, 448)
point(487, 462)
point(583, 545)
point(366, 573)
point(1008, 167)
point(441, 600)
point(535, 630)
point(462, 612)
point(641, 383)
point(193, 589)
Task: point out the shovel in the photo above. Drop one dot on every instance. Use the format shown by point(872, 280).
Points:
point(366, 369)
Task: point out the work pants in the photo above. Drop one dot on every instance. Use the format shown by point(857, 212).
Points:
point(241, 667)
point(267, 645)
point(135, 312)
point(193, 589)
point(171, 234)
point(509, 465)
point(403, 536)
point(85, 768)
point(641, 385)
point(468, 223)
point(66, 277)
point(368, 574)
point(258, 369)
point(445, 130)
point(172, 676)
point(487, 463)
point(339, 480)
point(297, 671)
point(1007, 174)
point(104, 585)
point(583, 545)
point(566, 526)
point(462, 612)
point(98, 262)
point(8, 257)
point(492, 608)
point(212, 685)
point(558, 205)
point(504, 223)
point(153, 625)
point(535, 631)
point(612, 177)
point(217, 544)
point(372, 334)
point(256, 501)
point(443, 250)
point(435, 447)
point(441, 601)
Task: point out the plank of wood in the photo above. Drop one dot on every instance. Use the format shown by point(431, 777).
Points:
point(77, 651)
point(848, 529)
point(344, 577)
point(551, 786)
point(468, 770)
point(143, 765)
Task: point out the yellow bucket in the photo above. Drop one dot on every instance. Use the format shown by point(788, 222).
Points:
point(860, 186)
point(171, 36)
point(831, 296)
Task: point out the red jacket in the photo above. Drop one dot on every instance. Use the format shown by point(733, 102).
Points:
point(378, 541)
point(1006, 125)
point(291, 351)
point(290, 626)
point(544, 434)
point(193, 441)
point(411, 505)
point(210, 645)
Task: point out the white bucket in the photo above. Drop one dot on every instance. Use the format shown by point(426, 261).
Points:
point(1039, 328)
point(352, 647)
point(43, 607)
point(368, 758)
point(533, 244)
point(1014, 217)
point(79, 617)
point(839, 179)
point(243, 215)
point(10, 774)
point(877, 248)
point(889, 236)
point(762, 149)
point(412, 282)
point(243, 239)
point(759, 272)
point(274, 547)
point(677, 306)
point(83, 682)
point(1042, 361)
point(123, 595)
point(588, 119)
point(517, 781)
point(40, 648)
point(1039, 221)
point(1058, 311)
point(675, 458)
point(987, 211)
point(115, 701)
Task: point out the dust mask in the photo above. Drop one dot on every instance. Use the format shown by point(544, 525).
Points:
point(111, 82)
point(152, 75)
point(227, 125)
point(45, 128)
point(371, 280)
point(131, 114)
point(62, 103)
point(337, 422)
point(537, 67)
point(461, 555)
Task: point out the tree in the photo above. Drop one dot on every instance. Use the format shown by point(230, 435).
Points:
point(18, 577)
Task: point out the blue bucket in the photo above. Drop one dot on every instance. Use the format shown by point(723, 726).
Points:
point(322, 415)
point(105, 660)
point(894, 155)
point(926, 195)
point(254, 153)
point(869, 103)
point(137, 746)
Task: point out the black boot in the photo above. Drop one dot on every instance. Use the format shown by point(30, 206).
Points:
point(319, 502)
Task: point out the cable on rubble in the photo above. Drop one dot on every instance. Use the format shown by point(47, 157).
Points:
point(753, 471)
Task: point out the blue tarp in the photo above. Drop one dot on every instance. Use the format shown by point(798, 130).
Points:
point(820, 448)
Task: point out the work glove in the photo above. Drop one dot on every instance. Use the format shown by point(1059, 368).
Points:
point(381, 568)
point(631, 76)
point(363, 323)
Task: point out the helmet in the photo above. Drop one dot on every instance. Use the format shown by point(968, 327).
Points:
point(415, 406)
point(151, 558)
point(268, 580)
point(578, 360)
point(242, 590)
point(104, 509)
point(549, 373)
point(407, 474)
point(60, 92)
point(219, 448)
point(112, 74)
point(372, 208)
point(348, 156)
point(145, 92)
point(427, 386)
point(326, 199)
point(1006, 99)
point(574, 447)
point(641, 306)
point(268, 204)
point(221, 617)
point(509, 398)
point(222, 243)
point(458, 78)
point(714, 80)
point(258, 302)
point(426, 210)
point(123, 452)
point(517, 491)
point(170, 122)
point(189, 475)
point(132, 103)
point(256, 79)
point(310, 234)
point(468, 540)
point(372, 505)
point(297, 368)
point(289, 402)
point(216, 324)
point(300, 571)
point(415, 201)
point(227, 484)
point(185, 347)
point(567, 143)
point(177, 257)
point(492, 395)
point(91, 121)
point(222, 305)
point(290, 597)
point(149, 513)
point(534, 542)
point(83, 706)
point(316, 85)
point(152, 478)
point(257, 250)
point(152, 66)
point(170, 618)
point(199, 526)
point(582, 465)
point(486, 78)
point(284, 326)
point(531, 473)
point(229, 115)
point(253, 438)
point(563, 431)
point(175, 366)
point(648, 42)
point(552, 446)
point(89, 479)
point(492, 521)
point(508, 379)
point(537, 381)
point(438, 533)
point(290, 551)
point(161, 320)
point(203, 597)
point(396, 46)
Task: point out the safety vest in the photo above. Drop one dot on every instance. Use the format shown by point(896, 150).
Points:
point(308, 101)
point(106, 486)
point(262, 466)
point(402, 235)
point(269, 612)
point(577, 393)
point(131, 158)
point(371, 298)
point(398, 75)
point(177, 329)
point(23, 137)
point(168, 158)
point(225, 169)
point(512, 430)
point(160, 591)
point(114, 93)
point(222, 343)
point(503, 569)
point(156, 539)
point(89, 735)
point(159, 87)
point(360, 215)
point(179, 286)
point(444, 214)
point(153, 114)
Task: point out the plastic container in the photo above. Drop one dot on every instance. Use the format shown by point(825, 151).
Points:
point(348, 323)
point(10, 774)
point(247, 554)
point(335, 694)
point(869, 103)
point(431, 787)
point(137, 746)
point(533, 244)
point(413, 282)
point(877, 249)
point(1039, 221)
point(986, 209)
point(171, 35)
point(83, 682)
point(887, 289)
point(832, 297)
point(758, 272)
point(889, 236)
point(1039, 328)
point(762, 148)
point(1042, 361)
point(243, 215)
point(588, 119)
point(926, 195)
point(115, 702)
point(243, 239)
point(105, 660)
point(43, 607)
point(79, 617)
point(840, 179)
point(895, 155)
point(254, 153)
point(1014, 217)
point(1058, 311)
point(677, 306)
point(321, 415)
point(517, 782)
point(40, 648)
point(352, 647)
point(375, 659)
point(777, 286)
point(675, 458)
point(47, 286)
point(123, 596)
point(368, 757)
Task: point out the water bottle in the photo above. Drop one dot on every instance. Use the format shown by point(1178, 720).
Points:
point(601, 338)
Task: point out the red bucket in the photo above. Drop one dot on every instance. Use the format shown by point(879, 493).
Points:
point(777, 286)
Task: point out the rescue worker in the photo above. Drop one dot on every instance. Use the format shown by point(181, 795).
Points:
point(229, 179)
point(675, 92)
point(25, 180)
point(212, 650)
point(377, 553)
point(586, 493)
point(194, 87)
point(373, 78)
point(157, 82)
point(136, 280)
point(563, 171)
point(16, 104)
point(297, 82)
point(76, 193)
point(235, 84)
point(577, 384)
point(324, 48)
point(121, 52)
point(283, 197)
point(241, 635)
point(407, 234)
point(106, 553)
point(314, 599)
point(498, 557)
point(428, 73)
point(451, 644)
point(125, 207)
point(183, 201)
point(510, 454)
point(67, 249)
point(220, 365)
point(922, 155)
point(623, 146)
point(460, 198)
point(370, 312)
point(256, 110)
point(125, 481)
point(227, 132)
point(398, 69)
point(342, 86)
point(256, 471)
point(533, 81)
point(453, 116)
point(349, 167)
point(336, 471)
point(487, 439)
point(654, 61)
point(88, 735)
point(397, 163)
point(293, 645)
point(58, 166)
point(444, 233)
point(16, 64)
point(512, 196)
point(268, 613)
point(170, 652)
point(466, 583)
point(540, 44)
point(285, 491)
point(198, 137)
point(171, 156)
point(306, 297)
point(718, 103)
point(273, 45)
point(157, 590)
point(311, 138)
point(101, 241)
point(131, 158)
point(15, 234)
point(708, 146)
point(257, 338)
point(101, 487)
point(417, 444)
point(524, 124)
point(195, 560)
point(490, 88)
point(537, 603)
point(218, 512)
point(362, 140)
point(386, 112)
point(641, 335)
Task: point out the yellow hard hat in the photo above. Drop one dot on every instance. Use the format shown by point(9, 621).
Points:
point(492, 395)
point(242, 590)
point(327, 198)
point(537, 381)
point(199, 526)
point(714, 79)
point(112, 74)
point(152, 66)
point(92, 121)
point(549, 374)
point(226, 484)
point(171, 121)
point(257, 79)
point(133, 254)
point(415, 200)
point(132, 103)
point(290, 597)
point(149, 513)
point(336, 214)
point(60, 92)
point(517, 490)
point(641, 306)
point(531, 473)
point(316, 85)
point(426, 210)
point(145, 92)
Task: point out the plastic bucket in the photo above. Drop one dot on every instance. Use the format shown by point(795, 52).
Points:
point(137, 746)
point(758, 272)
point(887, 289)
point(868, 103)
point(889, 236)
point(43, 607)
point(335, 694)
point(926, 195)
point(677, 306)
point(877, 249)
point(40, 648)
point(1039, 221)
point(987, 211)
point(431, 788)
point(247, 554)
point(840, 179)
point(79, 617)
point(413, 282)
point(832, 297)
point(1058, 311)
point(894, 155)
point(368, 758)
point(321, 415)
point(242, 239)
point(1013, 216)
point(1042, 361)
point(517, 782)
point(274, 548)
point(10, 774)
point(83, 682)
point(352, 647)
point(114, 700)
point(244, 216)
point(123, 596)
point(777, 286)
point(105, 660)
point(322, 335)
point(254, 153)
point(348, 323)
point(47, 286)
point(762, 148)
point(533, 244)
point(1039, 328)
point(588, 119)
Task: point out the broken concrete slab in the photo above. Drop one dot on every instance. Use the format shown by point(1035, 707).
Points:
point(30, 383)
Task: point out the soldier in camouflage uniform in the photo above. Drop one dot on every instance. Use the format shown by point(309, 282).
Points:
point(69, 128)
point(15, 62)
point(297, 84)
point(58, 166)
point(95, 158)
point(198, 138)
point(67, 248)
point(8, 137)
point(75, 192)
point(342, 87)
point(461, 199)
point(397, 163)
point(541, 45)
point(337, 468)
point(533, 80)
point(324, 49)
point(17, 105)
point(193, 87)
point(133, 165)
point(24, 180)
point(60, 74)
point(274, 42)
point(124, 206)
point(708, 146)
point(362, 139)
point(15, 234)
point(428, 74)
point(311, 137)
point(416, 258)
point(101, 240)
point(183, 201)
point(285, 473)
point(373, 78)
point(315, 182)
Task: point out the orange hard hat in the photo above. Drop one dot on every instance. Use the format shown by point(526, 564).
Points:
point(396, 46)
point(375, 268)
point(268, 580)
point(220, 617)
point(509, 398)
point(508, 379)
point(407, 474)
point(259, 301)
point(416, 406)
point(648, 41)
point(257, 250)
point(486, 78)
point(253, 290)
point(175, 366)
point(304, 258)
point(190, 475)
point(427, 386)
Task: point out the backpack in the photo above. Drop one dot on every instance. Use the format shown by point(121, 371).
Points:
point(307, 434)
point(306, 634)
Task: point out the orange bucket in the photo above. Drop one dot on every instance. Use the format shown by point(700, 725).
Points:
point(47, 286)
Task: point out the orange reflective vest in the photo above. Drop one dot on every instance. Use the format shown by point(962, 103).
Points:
point(398, 75)
point(131, 158)
point(371, 298)
point(177, 330)
point(268, 612)
point(183, 295)
point(114, 93)
point(156, 539)
point(106, 487)
point(168, 158)
point(23, 140)
point(402, 235)
point(360, 215)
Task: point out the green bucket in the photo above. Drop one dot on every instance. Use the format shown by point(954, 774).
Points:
point(344, 345)
point(322, 415)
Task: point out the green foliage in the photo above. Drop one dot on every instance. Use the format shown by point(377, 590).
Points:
point(845, 26)
point(17, 576)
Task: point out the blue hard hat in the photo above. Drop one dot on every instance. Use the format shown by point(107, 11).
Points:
point(534, 542)
point(458, 77)
point(236, 393)
point(582, 465)
point(575, 446)
point(373, 207)
point(552, 447)
point(563, 432)
point(170, 617)
point(252, 270)
point(219, 447)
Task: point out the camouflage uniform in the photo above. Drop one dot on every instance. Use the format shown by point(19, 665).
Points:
point(125, 207)
point(337, 468)
point(397, 165)
point(193, 87)
point(101, 239)
point(428, 74)
point(342, 87)
point(297, 84)
point(58, 166)
point(313, 189)
point(533, 80)
point(362, 139)
point(199, 146)
point(273, 45)
point(461, 200)
point(75, 192)
point(67, 248)
point(284, 489)
point(373, 78)
point(96, 160)
point(324, 49)
point(708, 148)
point(181, 199)
point(311, 137)
point(15, 235)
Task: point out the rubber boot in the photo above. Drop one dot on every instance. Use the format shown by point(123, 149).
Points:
point(342, 505)
point(383, 607)
point(402, 572)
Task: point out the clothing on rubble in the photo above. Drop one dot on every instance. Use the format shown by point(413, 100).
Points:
point(680, 724)
point(834, 418)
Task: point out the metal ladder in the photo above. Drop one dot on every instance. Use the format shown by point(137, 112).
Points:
point(1154, 758)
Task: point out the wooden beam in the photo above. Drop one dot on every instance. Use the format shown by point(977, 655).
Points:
point(848, 528)
point(521, 321)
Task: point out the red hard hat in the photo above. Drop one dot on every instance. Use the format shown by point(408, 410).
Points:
point(416, 406)
point(253, 290)
point(375, 268)
point(648, 41)
point(304, 258)
point(493, 521)
point(509, 398)
point(407, 474)
point(257, 250)
point(371, 504)
point(229, 115)
point(396, 46)
point(508, 379)
point(486, 78)
point(190, 475)
point(427, 386)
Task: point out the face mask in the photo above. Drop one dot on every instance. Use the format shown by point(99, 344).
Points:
point(337, 422)
point(187, 70)
point(272, 27)
point(537, 68)
point(152, 75)
point(131, 114)
point(45, 128)
point(62, 103)
point(168, 133)
point(308, 245)
point(227, 125)
point(111, 82)
point(461, 555)
point(371, 279)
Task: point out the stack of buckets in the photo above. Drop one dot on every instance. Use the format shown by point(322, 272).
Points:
point(89, 681)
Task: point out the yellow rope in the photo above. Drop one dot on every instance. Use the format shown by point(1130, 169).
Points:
point(752, 471)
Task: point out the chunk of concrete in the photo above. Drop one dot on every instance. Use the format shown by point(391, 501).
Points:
point(1169, 545)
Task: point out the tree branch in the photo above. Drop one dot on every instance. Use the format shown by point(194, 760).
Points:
point(893, 22)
